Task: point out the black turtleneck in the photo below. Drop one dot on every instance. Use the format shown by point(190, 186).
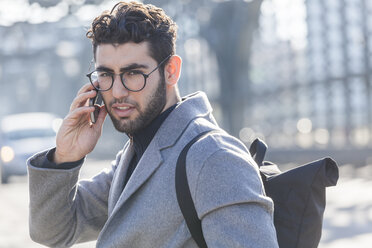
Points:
point(142, 139)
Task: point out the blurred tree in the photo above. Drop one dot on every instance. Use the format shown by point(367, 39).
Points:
point(228, 28)
point(229, 33)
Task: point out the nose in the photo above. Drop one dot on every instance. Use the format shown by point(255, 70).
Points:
point(118, 89)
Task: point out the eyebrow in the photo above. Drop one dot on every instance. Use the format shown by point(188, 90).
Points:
point(127, 68)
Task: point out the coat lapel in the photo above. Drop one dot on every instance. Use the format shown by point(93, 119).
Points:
point(148, 164)
point(119, 177)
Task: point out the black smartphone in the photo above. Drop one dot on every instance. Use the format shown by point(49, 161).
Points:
point(96, 102)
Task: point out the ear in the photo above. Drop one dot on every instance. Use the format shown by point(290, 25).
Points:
point(172, 70)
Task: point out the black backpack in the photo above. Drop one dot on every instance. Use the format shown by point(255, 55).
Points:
point(298, 195)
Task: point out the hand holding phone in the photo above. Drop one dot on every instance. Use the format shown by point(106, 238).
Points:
point(77, 136)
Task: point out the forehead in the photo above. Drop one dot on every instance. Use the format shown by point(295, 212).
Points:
point(122, 54)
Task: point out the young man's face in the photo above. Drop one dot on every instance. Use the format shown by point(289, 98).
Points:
point(131, 111)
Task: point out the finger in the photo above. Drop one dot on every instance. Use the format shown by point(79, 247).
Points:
point(100, 119)
point(86, 87)
point(81, 99)
point(79, 114)
point(102, 115)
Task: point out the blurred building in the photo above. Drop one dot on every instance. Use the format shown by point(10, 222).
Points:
point(306, 83)
point(41, 65)
point(310, 73)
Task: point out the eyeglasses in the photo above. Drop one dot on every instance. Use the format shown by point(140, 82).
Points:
point(133, 80)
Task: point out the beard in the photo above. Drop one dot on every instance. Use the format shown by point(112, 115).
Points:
point(153, 108)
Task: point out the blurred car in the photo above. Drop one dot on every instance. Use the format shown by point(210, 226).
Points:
point(22, 135)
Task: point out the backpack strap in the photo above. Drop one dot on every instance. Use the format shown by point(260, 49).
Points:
point(184, 195)
point(258, 150)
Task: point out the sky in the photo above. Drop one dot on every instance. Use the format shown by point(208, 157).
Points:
point(12, 11)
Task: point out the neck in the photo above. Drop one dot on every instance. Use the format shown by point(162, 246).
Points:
point(173, 97)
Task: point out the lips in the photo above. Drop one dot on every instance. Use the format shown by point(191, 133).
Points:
point(122, 110)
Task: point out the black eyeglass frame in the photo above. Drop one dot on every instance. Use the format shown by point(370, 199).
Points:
point(145, 76)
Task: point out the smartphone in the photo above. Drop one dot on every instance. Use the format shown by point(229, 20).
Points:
point(95, 102)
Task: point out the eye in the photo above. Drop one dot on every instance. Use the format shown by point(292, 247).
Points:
point(133, 73)
point(104, 74)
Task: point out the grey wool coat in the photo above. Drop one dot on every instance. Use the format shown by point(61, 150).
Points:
point(223, 179)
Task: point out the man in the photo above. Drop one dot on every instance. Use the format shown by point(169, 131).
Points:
point(134, 203)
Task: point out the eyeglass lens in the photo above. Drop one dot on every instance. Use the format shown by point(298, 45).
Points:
point(132, 80)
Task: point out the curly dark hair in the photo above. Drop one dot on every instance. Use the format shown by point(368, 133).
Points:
point(135, 22)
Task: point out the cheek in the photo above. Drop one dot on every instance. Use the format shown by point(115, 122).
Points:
point(141, 100)
point(106, 98)
point(144, 96)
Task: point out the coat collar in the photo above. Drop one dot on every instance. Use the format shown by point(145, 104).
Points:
point(193, 106)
